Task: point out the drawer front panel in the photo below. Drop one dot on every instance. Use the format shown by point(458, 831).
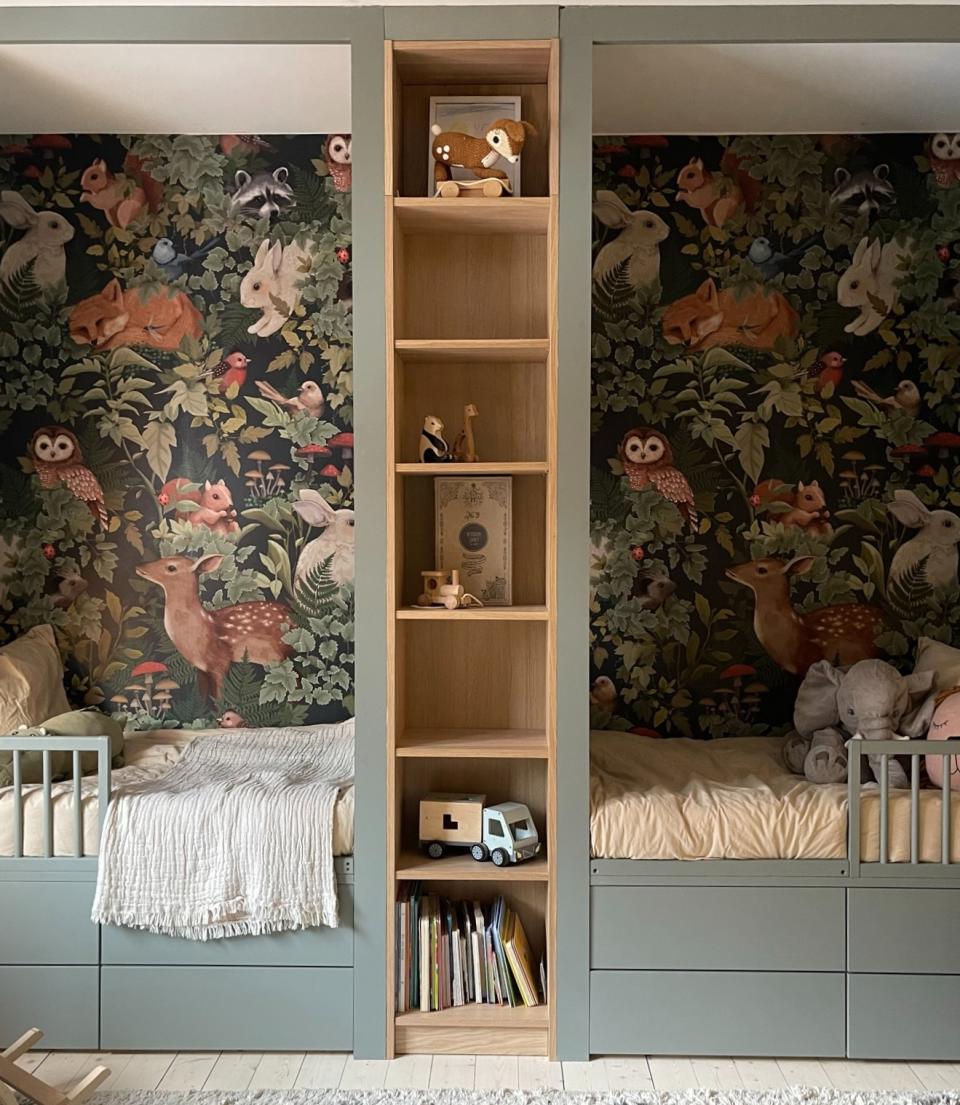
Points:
point(321, 947)
point(904, 1016)
point(894, 931)
point(716, 1013)
point(63, 1001)
point(226, 1008)
point(47, 922)
point(717, 928)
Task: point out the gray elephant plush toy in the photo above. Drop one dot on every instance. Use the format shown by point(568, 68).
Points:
point(871, 701)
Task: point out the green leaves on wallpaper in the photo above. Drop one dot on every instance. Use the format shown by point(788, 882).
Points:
point(175, 357)
point(776, 456)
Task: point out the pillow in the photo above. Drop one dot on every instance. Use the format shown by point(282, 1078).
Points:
point(942, 660)
point(74, 723)
point(31, 680)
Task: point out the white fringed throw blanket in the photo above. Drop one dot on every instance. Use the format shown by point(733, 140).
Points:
point(236, 840)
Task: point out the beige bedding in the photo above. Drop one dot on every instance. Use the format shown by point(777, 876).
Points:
point(147, 756)
point(734, 799)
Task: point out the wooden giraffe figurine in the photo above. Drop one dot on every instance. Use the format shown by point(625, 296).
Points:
point(465, 447)
point(16, 1078)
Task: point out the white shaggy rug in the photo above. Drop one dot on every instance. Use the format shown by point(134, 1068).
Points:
point(794, 1095)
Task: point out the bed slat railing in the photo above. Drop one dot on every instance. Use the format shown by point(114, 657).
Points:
point(885, 750)
point(46, 746)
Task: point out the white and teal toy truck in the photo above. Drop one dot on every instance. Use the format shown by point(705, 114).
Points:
point(504, 833)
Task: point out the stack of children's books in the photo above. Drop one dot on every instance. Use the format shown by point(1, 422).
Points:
point(452, 953)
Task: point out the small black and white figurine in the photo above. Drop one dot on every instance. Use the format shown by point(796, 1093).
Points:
point(433, 447)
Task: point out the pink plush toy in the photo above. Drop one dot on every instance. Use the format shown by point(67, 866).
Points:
point(944, 724)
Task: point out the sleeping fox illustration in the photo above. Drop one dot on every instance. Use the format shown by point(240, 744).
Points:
point(710, 317)
point(139, 316)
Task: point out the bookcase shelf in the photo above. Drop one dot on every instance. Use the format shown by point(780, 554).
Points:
point(471, 319)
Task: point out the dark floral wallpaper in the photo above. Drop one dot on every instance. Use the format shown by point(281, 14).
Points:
point(776, 456)
point(176, 478)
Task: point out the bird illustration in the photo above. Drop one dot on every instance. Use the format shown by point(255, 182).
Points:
point(57, 459)
point(603, 693)
point(69, 590)
point(231, 370)
point(233, 145)
point(309, 397)
point(175, 264)
point(771, 263)
point(828, 370)
point(648, 462)
point(906, 397)
point(945, 159)
point(338, 154)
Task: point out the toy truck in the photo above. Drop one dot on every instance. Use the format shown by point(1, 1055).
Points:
point(504, 833)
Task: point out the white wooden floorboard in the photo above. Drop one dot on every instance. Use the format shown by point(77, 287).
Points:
point(142, 1070)
point(189, 1070)
point(233, 1071)
point(496, 1072)
point(625, 1074)
point(804, 1072)
point(717, 1074)
point(590, 1075)
point(760, 1074)
point(453, 1072)
point(321, 1071)
point(116, 1063)
point(848, 1074)
point(672, 1072)
point(937, 1076)
point(537, 1073)
point(409, 1072)
point(277, 1071)
point(63, 1067)
point(363, 1074)
point(32, 1060)
point(892, 1076)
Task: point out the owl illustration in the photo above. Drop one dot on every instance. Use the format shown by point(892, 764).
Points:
point(338, 153)
point(945, 158)
point(57, 459)
point(648, 462)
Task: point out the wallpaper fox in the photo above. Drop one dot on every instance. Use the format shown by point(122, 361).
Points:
point(176, 481)
point(776, 456)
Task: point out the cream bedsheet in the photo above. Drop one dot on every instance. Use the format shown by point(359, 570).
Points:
point(147, 755)
point(734, 799)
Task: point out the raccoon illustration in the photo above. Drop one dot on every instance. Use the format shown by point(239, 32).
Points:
point(866, 190)
point(266, 194)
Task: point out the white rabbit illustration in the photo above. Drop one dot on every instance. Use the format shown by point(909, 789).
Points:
point(874, 274)
point(637, 248)
point(273, 284)
point(47, 232)
point(337, 539)
point(936, 542)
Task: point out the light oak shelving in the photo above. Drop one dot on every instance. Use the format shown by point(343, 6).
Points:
point(471, 318)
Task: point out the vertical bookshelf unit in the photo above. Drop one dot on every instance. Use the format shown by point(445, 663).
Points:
point(471, 318)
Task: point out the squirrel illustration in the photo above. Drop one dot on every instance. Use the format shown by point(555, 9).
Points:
point(213, 504)
point(718, 197)
point(122, 197)
point(807, 505)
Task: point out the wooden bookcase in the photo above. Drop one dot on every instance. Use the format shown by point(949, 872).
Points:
point(471, 317)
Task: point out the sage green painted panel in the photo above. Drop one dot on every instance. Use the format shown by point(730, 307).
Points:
point(226, 1008)
point(877, 918)
point(60, 1000)
point(903, 1016)
point(320, 947)
point(514, 21)
point(717, 928)
point(47, 923)
point(716, 1013)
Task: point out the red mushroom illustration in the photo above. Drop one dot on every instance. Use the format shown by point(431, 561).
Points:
point(147, 670)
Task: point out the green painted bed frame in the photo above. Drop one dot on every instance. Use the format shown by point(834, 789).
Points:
point(689, 1009)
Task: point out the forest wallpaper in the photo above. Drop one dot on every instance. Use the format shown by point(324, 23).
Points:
point(176, 482)
point(775, 456)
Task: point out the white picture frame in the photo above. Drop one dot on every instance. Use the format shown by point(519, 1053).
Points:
point(474, 534)
point(472, 115)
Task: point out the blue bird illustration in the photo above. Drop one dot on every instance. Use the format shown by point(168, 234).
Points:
point(770, 262)
point(175, 264)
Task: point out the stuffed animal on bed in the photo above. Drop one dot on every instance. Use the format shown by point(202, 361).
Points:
point(870, 700)
point(944, 725)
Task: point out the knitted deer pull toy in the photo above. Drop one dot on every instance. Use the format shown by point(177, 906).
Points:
point(453, 149)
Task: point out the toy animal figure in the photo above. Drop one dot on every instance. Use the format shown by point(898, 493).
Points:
point(210, 505)
point(465, 446)
point(945, 159)
point(273, 284)
point(139, 316)
point(336, 544)
point(804, 508)
point(867, 190)
point(338, 154)
point(47, 232)
point(57, 459)
point(717, 197)
point(433, 447)
point(633, 257)
point(934, 546)
point(263, 195)
point(709, 317)
point(795, 639)
point(647, 461)
point(503, 138)
point(872, 282)
point(121, 197)
point(213, 640)
point(945, 725)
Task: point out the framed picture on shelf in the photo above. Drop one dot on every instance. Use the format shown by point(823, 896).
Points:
point(472, 115)
point(474, 520)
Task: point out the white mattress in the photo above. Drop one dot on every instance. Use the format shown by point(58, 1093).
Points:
point(147, 756)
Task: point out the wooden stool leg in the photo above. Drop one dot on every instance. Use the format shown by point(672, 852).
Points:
point(7, 1096)
point(22, 1046)
point(85, 1087)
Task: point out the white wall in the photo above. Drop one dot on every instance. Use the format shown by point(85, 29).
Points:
point(769, 89)
point(169, 89)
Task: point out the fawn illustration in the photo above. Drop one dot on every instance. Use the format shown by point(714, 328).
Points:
point(795, 639)
point(807, 505)
point(212, 640)
point(212, 504)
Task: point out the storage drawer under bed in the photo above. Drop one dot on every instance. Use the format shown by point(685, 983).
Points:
point(757, 1013)
point(896, 1016)
point(903, 931)
point(63, 1000)
point(47, 923)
